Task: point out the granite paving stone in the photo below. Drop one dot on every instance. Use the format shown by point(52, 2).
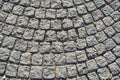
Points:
point(59, 40)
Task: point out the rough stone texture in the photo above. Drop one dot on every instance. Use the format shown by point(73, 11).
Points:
point(59, 40)
point(36, 72)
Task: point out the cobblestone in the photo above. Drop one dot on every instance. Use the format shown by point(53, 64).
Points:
point(59, 40)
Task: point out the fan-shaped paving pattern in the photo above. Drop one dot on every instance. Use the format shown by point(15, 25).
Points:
point(60, 39)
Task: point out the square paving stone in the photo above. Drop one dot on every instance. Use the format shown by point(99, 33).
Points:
point(77, 2)
point(116, 37)
point(39, 35)
point(72, 12)
point(36, 72)
point(99, 3)
point(35, 3)
point(62, 36)
point(44, 47)
point(91, 53)
point(92, 65)
point(114, 68)
point(4, 54)
point(33, 23)
point(49, 72)
point(61, 13)
point(118, 61)
point(18, 32)
point(11, 19)
point(45, 24)
point(18, 10)
point(37, 59)
point(70, 57)
point(82, 68)
point(115, 4)
point(109, 56)
point(40, 13)
point(88, 18)
point(82, 78)
point(21, 45)
point(33, 46)
point(24, 2)
point(109, 44)
point(9, 42)
point(101, 61)
point(104, 73)
point(90, 6)
point(50, 36)
point(97, 14)
point(99, 25)
point(91, 29)
point(116, 51)
point(81, 9)
point(11, 70)
point(61, 72)
point(82, 32)
point(67, 3)
point(45, 3)
point(59, 59)
point(48, 59)
point(101, 36)
point(108, 21)
point(15, 56)
point(110, 31)
point(7, 7)
point(100, 48)
point(50, 13)
point(56, 4)
point(107, 10)
point(115, 15)
point(116, 26)
point(3, 16)
point(78, 22)
point(22, 21)
point(56, 25)
point(2, 68)
point(69, 46)
point(67, 24)
point(72, 34)
point(91, 41)
point(93, 76)
point(71, 70)
point(29, 11)
point(23, 71)
point(57, 47)
point(81, 44)
point(7, 29)
point(28, 34)
point(25, 58)
point(81, 56)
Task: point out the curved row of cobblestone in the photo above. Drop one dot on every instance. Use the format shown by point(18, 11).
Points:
point(60, 39)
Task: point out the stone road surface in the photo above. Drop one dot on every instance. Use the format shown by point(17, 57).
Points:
point(60, 39)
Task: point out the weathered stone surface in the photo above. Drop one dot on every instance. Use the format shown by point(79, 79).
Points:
point(48, 72)
point(11, 70)
point(23, 71)
point(59, 40)
point(36, 72)
point(4, 54)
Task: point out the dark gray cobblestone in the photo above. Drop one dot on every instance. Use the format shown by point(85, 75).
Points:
point(59, 40)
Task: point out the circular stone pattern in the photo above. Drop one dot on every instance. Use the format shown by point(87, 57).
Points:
point(59, 40)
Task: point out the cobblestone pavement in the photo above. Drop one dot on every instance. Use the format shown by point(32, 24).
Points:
point(60, 39)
